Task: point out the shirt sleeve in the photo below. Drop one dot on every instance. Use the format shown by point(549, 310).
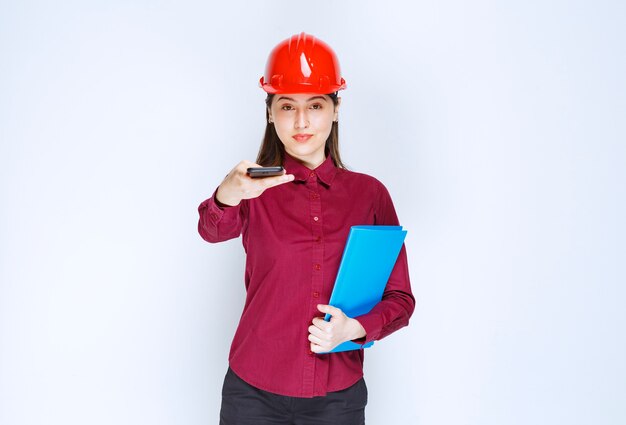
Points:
point(220, 223)
point(398, 303)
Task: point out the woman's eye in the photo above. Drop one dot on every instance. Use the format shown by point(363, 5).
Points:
point(286, 108)
point(316, 106)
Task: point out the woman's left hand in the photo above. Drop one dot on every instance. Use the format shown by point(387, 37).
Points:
point(324, 336)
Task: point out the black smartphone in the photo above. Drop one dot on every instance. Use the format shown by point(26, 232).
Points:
point(257, 172)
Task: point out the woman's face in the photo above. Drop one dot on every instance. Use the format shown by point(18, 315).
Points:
point(303, 123)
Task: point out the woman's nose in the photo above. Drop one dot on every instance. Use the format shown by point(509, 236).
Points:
point(302, 120)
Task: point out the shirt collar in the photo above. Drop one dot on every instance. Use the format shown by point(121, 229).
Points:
point(325, 171)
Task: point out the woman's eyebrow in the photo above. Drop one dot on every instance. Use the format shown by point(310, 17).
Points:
point(316, 97)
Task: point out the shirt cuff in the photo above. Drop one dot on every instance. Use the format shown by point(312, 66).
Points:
point(373, 325)
point(219, 212)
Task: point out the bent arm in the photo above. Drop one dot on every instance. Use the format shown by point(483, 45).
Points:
point(222, 221)
point(218, 222)
point(398, 303)
point(395, 308)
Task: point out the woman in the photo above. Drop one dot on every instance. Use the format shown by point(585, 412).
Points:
point(294, 228)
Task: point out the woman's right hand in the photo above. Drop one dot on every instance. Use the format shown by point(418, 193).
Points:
point(237, 185)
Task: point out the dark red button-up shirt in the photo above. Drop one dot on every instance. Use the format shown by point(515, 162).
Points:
point(294, 235)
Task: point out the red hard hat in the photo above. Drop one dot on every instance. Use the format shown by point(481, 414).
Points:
point(302, 64)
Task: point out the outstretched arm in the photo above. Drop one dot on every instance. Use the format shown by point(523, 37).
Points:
point(221, 216)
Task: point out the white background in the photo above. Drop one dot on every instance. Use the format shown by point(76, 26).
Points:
point(497, 126)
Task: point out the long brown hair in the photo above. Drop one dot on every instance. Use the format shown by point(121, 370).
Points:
point(272, 150)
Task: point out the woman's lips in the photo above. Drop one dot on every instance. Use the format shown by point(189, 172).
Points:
point(302, 137)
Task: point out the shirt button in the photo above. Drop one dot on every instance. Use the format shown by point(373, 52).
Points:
point(316, 294)
point(316, 218)
point(312, 174)
point(318, 239)
point(317, 267)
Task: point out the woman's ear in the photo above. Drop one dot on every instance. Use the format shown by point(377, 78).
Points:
point(336, 116)
point(269, 116)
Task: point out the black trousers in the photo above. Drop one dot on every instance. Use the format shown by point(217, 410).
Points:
point(243, 404)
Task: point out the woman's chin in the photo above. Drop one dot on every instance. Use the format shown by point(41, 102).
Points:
point(302, 151)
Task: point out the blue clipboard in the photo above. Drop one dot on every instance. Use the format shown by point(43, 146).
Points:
point(368, 259)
